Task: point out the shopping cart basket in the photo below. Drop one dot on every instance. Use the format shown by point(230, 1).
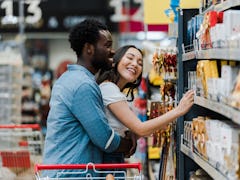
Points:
point(101, 171)
point(20, 147)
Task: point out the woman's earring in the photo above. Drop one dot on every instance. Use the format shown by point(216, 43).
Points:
point(135, 82)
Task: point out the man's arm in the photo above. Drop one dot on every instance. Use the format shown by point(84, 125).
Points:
point(87, 107)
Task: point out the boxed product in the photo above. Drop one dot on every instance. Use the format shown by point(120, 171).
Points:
point(228, 73)
point(206, 69)
point(231, 22)
point(218, 36)
point(234, 99)
point(189, 32)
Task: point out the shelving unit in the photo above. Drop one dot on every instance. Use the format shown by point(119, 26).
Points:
point(187, 160)
point(189, 56)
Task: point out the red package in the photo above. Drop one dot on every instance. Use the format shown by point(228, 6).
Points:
point(220, 17)
point(213, 18)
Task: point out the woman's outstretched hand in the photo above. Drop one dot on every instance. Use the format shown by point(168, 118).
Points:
point(186, 102)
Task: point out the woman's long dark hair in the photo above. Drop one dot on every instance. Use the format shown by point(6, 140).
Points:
point(113, 74)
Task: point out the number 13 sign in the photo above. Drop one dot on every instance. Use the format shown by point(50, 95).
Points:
point(34, 12)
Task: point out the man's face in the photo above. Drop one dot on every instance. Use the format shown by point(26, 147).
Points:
point(102, 58)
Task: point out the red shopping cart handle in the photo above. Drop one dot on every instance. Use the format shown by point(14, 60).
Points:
point(39, 167)
point(20, 126)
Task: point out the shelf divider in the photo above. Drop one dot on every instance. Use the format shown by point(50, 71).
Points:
point(215, 53)
point(212, 171)
point(220, 108)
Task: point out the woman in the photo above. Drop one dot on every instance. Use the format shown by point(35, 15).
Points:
point(127, 73)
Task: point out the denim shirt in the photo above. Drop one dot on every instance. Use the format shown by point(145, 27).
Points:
point(77, 128)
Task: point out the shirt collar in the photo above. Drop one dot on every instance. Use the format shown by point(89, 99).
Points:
point(74, 67)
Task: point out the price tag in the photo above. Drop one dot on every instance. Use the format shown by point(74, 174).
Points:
point(153, 152)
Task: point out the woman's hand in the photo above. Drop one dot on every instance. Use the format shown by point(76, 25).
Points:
point(186, 102)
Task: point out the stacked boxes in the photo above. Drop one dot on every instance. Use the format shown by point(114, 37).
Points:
point(217, 141)
point(205, 69)
point(222, 147)
point(234, 99)
point(199, 135)
point(217, 84)
point(193, 26)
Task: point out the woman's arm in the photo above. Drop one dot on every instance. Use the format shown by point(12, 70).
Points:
point(124, 114)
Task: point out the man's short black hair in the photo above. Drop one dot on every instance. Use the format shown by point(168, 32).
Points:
point(86, 31)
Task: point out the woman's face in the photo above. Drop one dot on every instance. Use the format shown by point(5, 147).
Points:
point(130, 66)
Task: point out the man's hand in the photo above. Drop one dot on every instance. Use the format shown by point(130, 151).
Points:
point(128, 144)
point(133, 137)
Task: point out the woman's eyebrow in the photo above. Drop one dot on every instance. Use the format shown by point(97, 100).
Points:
point(131, 53)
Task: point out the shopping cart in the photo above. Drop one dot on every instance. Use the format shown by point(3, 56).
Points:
point(20, 148)
point(101, 171)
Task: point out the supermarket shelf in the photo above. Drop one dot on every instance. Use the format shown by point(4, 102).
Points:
point(213, 172)
point(220, 108)
point(188, 56)
point(216, 53)
point(223, 6)
point(220, 53)
point(226, 5)
point(210, 8)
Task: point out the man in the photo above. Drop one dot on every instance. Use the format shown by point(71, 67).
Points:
point(77, 128)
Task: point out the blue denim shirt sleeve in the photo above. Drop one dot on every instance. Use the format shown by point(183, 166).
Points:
point(88, 107)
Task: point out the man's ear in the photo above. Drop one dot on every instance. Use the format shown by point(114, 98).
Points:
point(89, 48)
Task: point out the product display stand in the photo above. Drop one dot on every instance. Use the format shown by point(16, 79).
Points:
point(164, 63)
point(188, 159)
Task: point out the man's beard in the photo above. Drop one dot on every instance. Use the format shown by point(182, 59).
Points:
point(101, 64)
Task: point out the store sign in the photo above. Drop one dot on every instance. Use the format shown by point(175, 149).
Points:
point(118, 15)
point(154, 11)
point(138, 15)
point(121, 15)
point(34, 12)
point(185, 4)
point(51, 15)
